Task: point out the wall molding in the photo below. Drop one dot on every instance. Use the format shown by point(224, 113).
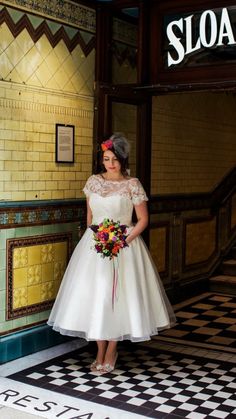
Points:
point(46, 108)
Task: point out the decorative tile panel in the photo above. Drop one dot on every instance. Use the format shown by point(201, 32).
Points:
point(159, 246)
point(200, 239)
point(35, 267)
point(81, 16)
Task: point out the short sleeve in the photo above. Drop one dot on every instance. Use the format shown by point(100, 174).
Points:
point(138, 193)
point(89, 186)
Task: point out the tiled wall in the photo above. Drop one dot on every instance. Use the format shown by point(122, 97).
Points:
point(124, 58)
point(46, 79)
point(200, 239)
point(26, 319)
point(194, 141)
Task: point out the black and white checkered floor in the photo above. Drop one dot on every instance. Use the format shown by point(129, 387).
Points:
point(157, 379)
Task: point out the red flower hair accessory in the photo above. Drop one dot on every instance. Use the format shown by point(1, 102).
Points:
point(107, 145)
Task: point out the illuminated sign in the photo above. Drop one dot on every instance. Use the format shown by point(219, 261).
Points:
point(191, 34)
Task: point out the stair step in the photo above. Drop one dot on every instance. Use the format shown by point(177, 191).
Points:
point(223, 283)
point(228, 267)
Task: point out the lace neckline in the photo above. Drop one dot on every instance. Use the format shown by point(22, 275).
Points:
point(114, 181)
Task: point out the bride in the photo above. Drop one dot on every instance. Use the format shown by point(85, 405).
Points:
point(85, 305)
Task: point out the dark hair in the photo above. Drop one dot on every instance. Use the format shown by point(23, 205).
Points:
point(120, 147)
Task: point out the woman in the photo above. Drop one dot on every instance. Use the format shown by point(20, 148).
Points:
point(91, 303)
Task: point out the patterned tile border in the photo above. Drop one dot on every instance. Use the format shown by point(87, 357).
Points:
point(78, 15)
point(44, 29)
point(47, 108)
point(40, 214)
point(12, 244)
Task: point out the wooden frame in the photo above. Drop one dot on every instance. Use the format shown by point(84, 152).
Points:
point(12, 244)
point(65, 143)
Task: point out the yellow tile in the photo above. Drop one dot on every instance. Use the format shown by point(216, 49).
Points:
point(34, 255)
point(56, 287)
point(45, 195)
point(6, 37)
point(47, 253)
point(34, 294)
point(6, 66)
point(47, 272)
point(43, 46)
point(20, 257)
point(19, 297)
point(19, 277)
point(30, 195)
point(60, 251)
point(47, 291)
point(57, 194)
point(34, 275)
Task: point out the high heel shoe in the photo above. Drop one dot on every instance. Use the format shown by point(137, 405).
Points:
point(95, 366)
point(106, 368)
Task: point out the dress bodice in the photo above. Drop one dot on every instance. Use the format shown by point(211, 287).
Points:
point(113, 199)
point(117, 208)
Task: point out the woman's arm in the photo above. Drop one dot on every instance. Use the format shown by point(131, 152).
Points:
point(89, 214)
point(142, 217)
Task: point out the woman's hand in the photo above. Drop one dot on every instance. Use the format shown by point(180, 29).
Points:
point(142, 217)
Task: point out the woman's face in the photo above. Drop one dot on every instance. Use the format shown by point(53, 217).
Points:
point(111, 163)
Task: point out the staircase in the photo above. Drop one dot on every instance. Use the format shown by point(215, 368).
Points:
point(225, 281)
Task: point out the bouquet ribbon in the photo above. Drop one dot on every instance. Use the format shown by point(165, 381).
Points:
point(115, 282)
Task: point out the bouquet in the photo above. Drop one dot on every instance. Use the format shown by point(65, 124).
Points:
point(110, 237)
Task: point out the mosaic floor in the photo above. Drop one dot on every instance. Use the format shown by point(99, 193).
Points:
point(159, 379)
point(208, 321)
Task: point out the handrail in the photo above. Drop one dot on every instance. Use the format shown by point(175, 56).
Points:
point(194, 201)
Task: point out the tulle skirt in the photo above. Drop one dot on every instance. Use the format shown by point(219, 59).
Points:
point(102, 299)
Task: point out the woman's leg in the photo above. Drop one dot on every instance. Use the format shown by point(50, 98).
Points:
point(111, 353)
point(98, 362)
point(102, 347)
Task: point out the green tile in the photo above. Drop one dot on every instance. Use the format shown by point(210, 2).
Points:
point(22, 232)
point(16, 15)
point(35, 231)
point(19, 322)
point(10, 233)
point(48, 229)
point(44, 315)
point(26, 341)
point(32, 319)
point(6, 326)
point(2, 316)
point(3, 237)
point(3, 259)
point(2, 279)
point(3, 300)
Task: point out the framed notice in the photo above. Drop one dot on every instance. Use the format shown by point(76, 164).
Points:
point(65, 143)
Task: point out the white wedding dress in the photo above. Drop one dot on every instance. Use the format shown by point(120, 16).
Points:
point(83, 306)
